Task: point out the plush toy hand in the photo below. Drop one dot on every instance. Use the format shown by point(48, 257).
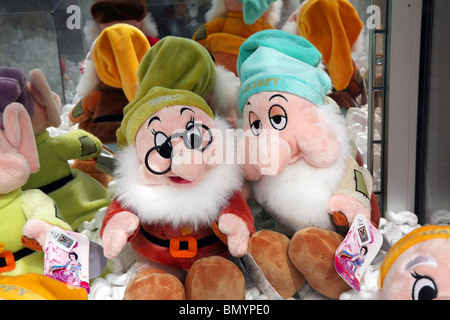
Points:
point(348, 207)
point(117, 232)
point(36, 229)
point(237, 234)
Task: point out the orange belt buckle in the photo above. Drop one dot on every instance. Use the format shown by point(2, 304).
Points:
point(9, 261)
point(183, 247)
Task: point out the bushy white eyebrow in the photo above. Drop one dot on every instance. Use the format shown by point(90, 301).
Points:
point(421, 260)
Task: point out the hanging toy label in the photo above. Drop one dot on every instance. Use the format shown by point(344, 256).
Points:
point(357, 251)
point(66, 257)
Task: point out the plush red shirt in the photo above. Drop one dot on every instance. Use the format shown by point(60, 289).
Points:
point(167, 236)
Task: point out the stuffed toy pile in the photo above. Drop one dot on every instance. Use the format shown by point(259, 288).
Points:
point(165, 107)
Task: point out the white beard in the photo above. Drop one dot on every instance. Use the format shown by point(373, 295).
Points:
point(195, 206)
point(298, 196)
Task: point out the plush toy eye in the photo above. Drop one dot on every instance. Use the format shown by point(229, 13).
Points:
point(424, 288)
point(194, 138)
point(278, 117)
point(163, 144)
point(255, 124)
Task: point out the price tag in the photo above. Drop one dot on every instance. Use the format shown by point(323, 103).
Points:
point(357, 251)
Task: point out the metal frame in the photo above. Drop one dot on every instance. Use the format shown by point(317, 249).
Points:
point(403, 69)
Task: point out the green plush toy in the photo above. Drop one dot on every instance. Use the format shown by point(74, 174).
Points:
point(25, 216)
point(78, 195)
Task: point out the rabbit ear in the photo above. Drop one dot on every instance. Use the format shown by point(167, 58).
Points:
point(19, 132)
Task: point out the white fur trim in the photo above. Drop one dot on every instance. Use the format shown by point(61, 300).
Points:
point(291, 27)
point(298, 197)
point(196, 206)
point(149, 27)
point(88, 80)
point(225, 92)
point(91, 31)
point(273, 14)
point(217, 10)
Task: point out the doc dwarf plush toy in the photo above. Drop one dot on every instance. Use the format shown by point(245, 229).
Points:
point(304, 171)
point(108, 83)
point(417, 266)
point(25, 215)
point(230, 22)
point(333, 27)
point(171, 197)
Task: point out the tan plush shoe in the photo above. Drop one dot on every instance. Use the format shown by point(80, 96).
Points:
point(155, 285)
point(215, 278)
point(270, 251)
point(312, 251)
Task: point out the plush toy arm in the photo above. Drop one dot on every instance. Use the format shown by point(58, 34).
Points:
point(236, 222)
point(77, 144)
point(117, 232)
point(84, 109)
point(118, 227)
point(237, 233)
point(42, 214)
point(37, 205)
point(352, 197)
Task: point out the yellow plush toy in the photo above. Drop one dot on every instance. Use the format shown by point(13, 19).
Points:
point(33, 286)
point(416, 267)
point(108, 83)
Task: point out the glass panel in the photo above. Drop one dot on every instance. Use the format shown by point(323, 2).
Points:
point(178, 17)
point(28, 40)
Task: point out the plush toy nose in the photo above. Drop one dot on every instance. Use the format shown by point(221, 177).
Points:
point(189, 164)
point(270, 153)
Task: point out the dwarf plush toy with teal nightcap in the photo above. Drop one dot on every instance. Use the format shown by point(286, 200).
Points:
point(308, 178)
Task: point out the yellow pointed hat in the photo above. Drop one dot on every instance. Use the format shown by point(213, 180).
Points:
point(117, 53)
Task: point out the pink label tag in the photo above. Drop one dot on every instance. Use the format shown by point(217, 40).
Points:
point(66, 257)
point(357, 251)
